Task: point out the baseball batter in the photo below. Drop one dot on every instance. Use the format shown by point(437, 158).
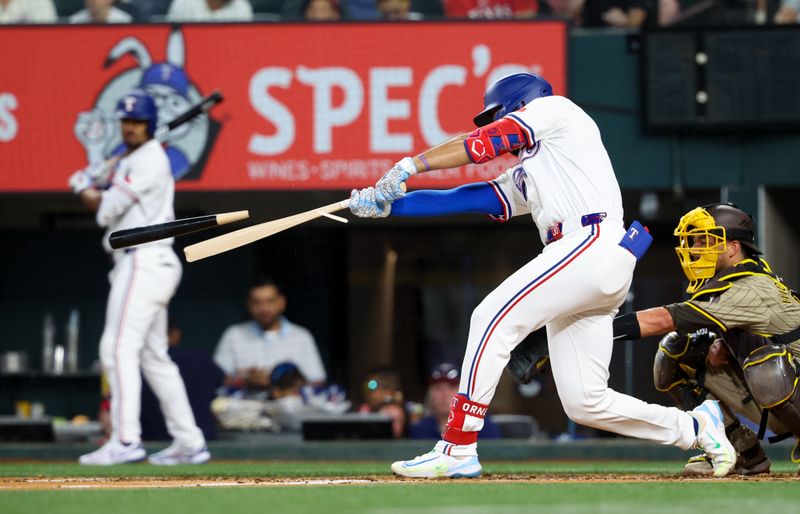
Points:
point(139, 192)
point(565, 181)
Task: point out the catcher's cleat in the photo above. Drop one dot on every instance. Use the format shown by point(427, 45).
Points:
point(712, 439)
point(436, 464)
point(700, 465)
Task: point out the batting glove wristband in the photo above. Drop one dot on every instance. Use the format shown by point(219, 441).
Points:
point(80, 182)
point(389, 187)
point(364, 204)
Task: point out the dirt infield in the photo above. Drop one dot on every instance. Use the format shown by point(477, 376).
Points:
point(40, 484)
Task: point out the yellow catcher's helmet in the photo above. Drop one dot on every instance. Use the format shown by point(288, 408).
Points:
point(703, 234)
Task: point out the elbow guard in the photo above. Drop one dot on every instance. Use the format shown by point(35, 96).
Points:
point(497, 138)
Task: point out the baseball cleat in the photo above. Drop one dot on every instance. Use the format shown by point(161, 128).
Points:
point(712, 439)
point(114, 452)
point(175, 454)
point(700, 465)
point(436, 464)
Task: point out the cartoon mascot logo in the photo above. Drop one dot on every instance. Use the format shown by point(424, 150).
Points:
point(187, 145)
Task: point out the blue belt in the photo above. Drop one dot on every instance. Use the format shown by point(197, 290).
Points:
point(556, 232)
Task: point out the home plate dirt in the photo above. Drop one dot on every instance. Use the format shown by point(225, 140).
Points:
point(78, 483)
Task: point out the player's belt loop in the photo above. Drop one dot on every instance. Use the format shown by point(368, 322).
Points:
point(556, 232)
point(129, 250)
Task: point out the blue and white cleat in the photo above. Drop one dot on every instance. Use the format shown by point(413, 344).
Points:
point(175, 454)
point(114, 452)
point(436, 464)
point(712, 439)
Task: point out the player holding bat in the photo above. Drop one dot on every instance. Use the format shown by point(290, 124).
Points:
point(143, 280)
point(565, 181)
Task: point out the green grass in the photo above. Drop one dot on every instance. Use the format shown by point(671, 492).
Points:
point(448, 497)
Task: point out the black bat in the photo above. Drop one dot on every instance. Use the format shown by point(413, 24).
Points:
point(205, 103)
point(139, 235)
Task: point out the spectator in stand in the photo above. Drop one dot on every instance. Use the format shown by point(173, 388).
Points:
point(490, 9)
point(383, 394)
point(210, 10)
point(397, 10)
point(27, 11)
point(100, 11)
point(322, 10)
point(570, 9)
point(615, 13)
point(788, 12)
point(442, 387)
point(247, 352)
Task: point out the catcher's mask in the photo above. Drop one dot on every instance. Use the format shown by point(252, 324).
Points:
point(703, 234)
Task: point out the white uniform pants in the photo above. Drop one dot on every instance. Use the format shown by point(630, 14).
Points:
point(574, 287)
point(134, 341)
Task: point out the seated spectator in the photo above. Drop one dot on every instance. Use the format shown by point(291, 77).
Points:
point(490, 9)
point(247, 352)
point(210, 10)
point(788, 12)
point(442, 386)
point(27, 11)
point(202, 378)
point(287, 406)
point(397, 10)
point(383, 395)
point(100, 11)
point(569, 9)
point(614, 13)
point(322, 10)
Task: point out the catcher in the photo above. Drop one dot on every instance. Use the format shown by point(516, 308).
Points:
point(750, 369)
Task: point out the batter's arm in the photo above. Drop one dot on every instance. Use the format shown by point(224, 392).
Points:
point(450, 154)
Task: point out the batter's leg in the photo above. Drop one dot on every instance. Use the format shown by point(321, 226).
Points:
point(128, 320)
point(580, 353)
point(164, 378)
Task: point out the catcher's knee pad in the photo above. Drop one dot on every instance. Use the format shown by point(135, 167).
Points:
point(772, 378)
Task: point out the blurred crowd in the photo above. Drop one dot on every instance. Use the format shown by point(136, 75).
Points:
point(581, 13)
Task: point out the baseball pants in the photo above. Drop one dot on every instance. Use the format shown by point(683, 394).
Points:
point(574, 288)
point(134, 342)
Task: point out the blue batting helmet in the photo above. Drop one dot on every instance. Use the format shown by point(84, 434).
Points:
point(138, 105)
point(509, 94)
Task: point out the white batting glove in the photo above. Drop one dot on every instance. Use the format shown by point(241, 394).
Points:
point(100, 173)
point(80, 182)
point(365, 205)
point(389, 187)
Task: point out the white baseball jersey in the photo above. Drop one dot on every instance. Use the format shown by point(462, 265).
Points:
point(574, 287)
point(141, 193)
point(143, 280)
point(566, 174)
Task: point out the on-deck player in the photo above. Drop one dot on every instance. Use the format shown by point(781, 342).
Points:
point(139, 191)
point(565, 181)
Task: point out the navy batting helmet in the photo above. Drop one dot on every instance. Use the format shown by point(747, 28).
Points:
point(138, 105)
point(509, 94)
